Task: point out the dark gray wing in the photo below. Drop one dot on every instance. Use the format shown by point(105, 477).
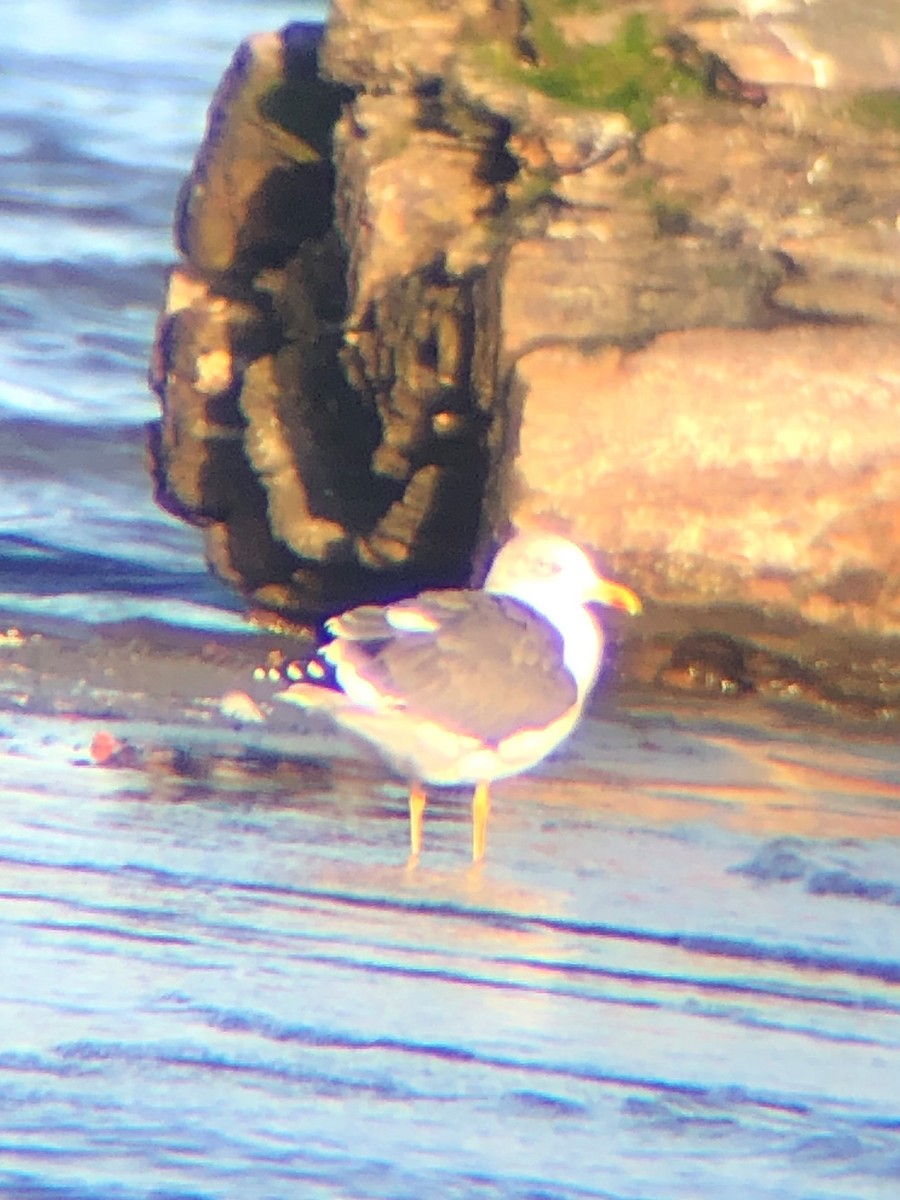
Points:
point(482, 665)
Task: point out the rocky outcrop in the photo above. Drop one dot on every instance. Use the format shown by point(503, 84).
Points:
point(632, 270)
point(326, 381)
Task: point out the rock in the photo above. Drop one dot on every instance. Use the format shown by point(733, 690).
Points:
point(392, 46)
point(598, 276)
point(262, 440)
point(634, 270)
point(816, 205)
point(836, 44)
point(236, 221)
point(733, 465)
point(707, 662)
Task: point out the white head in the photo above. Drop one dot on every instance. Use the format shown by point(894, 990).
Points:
point(543, 569)
point(557, 579)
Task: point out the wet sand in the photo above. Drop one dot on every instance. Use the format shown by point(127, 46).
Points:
point(675, 976)
point(149, 696)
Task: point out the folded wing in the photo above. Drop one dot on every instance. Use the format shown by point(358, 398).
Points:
point(477, 664)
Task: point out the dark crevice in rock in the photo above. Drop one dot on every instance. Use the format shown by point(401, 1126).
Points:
point(497, 164)
point(432, 110)
point(716, 75)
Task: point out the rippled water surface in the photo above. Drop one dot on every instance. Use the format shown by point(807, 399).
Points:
point(676, 976)
point(101, 109)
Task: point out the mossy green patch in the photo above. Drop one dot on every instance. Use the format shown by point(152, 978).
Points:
point(876, 110)
point(627, 74)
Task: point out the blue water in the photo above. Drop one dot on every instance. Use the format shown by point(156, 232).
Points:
point(101, 110)
point(676, 977)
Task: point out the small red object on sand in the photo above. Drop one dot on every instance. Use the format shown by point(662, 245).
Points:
point(109, 751)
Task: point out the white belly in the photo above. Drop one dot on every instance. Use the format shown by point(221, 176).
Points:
point(424, 751)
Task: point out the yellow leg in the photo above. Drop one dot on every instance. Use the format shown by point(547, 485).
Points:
point(481, 807)
point(417, 801)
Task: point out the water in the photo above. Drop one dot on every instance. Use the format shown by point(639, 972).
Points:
point(676, 976)
point(101, 109)
point(231, 986)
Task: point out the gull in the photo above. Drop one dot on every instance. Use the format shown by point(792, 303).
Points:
point(461, 686)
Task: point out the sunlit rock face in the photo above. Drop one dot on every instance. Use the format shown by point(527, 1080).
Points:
point(746, 466)
point(632, 272)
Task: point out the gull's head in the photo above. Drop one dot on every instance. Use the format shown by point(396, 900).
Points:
point(549, 572)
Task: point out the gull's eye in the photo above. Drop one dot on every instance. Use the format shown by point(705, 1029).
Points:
point(546, 568)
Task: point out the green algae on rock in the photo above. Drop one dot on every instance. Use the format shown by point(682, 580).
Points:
point(627, 74)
